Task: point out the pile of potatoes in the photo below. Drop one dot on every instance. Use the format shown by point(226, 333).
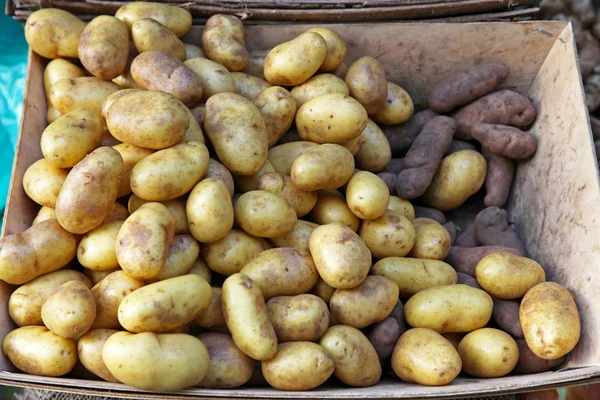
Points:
point(189, 236)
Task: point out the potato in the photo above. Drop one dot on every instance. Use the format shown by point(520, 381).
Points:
point(491, 228)
point(109, 293)
point(248, 183)
point(318, 85)
point(89, 349)
point(397, 108)
point(213, 316)
point(179, 360)
point(228, 255)
point(70, 310)
point(131, 155)
point(488, 353)
point(37, 351)
point(341, 257)
point(182, 255)
point(359, 367)
point(506, 316)
point(104, 46)
point(327, 166)
point(278, 109)
point(332, 207)
point(249, 86)
point(450, 308)
point(282, 157)
point(353, 146)
point(367, 195)
point(371, 301)
point(90, 190)
point(323, 290)
point(213, 76)
point(432, 240)
point(97, 249)
point(459, 176)
point(298, 366)
point(218, 171)
point(42, 248)
point(367, 83)
point(176, 207)
point(84, 92)
point(297, 238)
point(53, 33)
point(144, 239)
point(97, 276)
point(246, 317)
point(264, 214)
point(109, 101)
point(209, 211)
point(201, 269)
point(391, 235)
point(300, 200)
point(193, 51)
point(336, 49)
point(384, 334)
point(375, 152)
point(42, 182)
point(507, 276)
point(529, 363)
point(223, 41)
point(550, 320)
point(331, 118)
point(298, 318)
point(25, 303)
point(43, 214)
point(402, 206)
point(284, 271)
point(149, 35)
point(177, 20)
point(425, 357)
point(229, 367)
point(56, 70)
point(256, 63)
point(413, 275)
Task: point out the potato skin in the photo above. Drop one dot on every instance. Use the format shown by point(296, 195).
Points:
point(432, 240)
point(336, 49)
point(318, 85)
point(216, 170)
point(304, 317)
point(109, 293)
point(70, 310)
point(193, 51)
point(402, 136)
point(249, 86)
point(384, 334)
point(283, 156)
point(375, 152)
point(367, 195)
point(297, 238)
point(492, 228)
point(507, 276)
point(131, 155)
point(223, 41)
point(183, 254)
point(209, 211)
point(488, 353)
point(332, 207)
point(506, 141)
point(104, 46)
point(84, 92)
point(367, 83)
point(43, 181)
point(402, 206)
point(529, 363)
point(178, 20)
point(301, 200)
point(506, 316)
point(149, 34)
point(327, 166)
point(465, 259)
point(97, 249)
point(397, 108)
point(228, 255)
point(500, 173)
point(213, 316)
point(391, 235)
point(278, 109)
point(264, 214)
point(229, 367)
point(54, 33)
point(214, 77)
point(89, 349)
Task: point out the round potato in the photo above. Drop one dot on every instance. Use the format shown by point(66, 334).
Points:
point(297, 318)
point(97, 276)
point(97, 250)
point(209, 211)
point(228, 255)
point(488, 353)
point(391, 235)
point(404, 207)
point(84, 92)
point(397, 108)
point(327, 166)
point(70, 310)
point(282, 185)
point(179, 360)
point(450, 308)
point(131, 155)
point(375, 152)
point(425, 357)
point(109, 293)
point(366, 80)
point(298, 366)
point(297, 238)
point(178, 20)
point(22, 347)
point(149, 34)
point(218, 171)
point(104, 47)
point(42, 182)
point(264, 214)
point(44, 214)
point(213, 316)
point(278, 108)
point(89, 349)
point(413, 275)
point(229, 366)
point(249, 86)
point(332, 207)
point(248, 183)
point(323, 290)
point(282, 157)
point(367, 195)
point(54, 33)
point(507, 276)
point(336, 49)
point(432, 240)
point(182, 255)
point(176, 207)
point(318, 85)
point(193, 51)
point(223, 41)
point(214, 77)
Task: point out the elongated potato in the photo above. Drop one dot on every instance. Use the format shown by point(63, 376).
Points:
point(223, 41)
point(209, 211)
point(508, 276)
point(391, 235)
point(182, 255)
point(297, 318)
point(367, 195)
point(214, 77)
point(89, 350)
point(278, 108)
point(327, 166)
point(375, 152)
point(488, 353)
point(229, 367)
point(56, 70)
point(318, 85)
point(104, 47)
point(83, 92)
point(54, 33)
point(367, 83)
point(397, 108)
point(336, 49)
point(70, 310)
point(228, 255)
point(97, 250)
point(149, 34)
point(249, 86)
point(213, 316)
point(42, 182)
point(297, 238)
point(178, 20)
point(264, 214)
point(109, 293)
point(282, 185)
point(282, 157)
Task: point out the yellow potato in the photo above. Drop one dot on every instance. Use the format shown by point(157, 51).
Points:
point(331, 118)
point(214, 77)
point(118, 212)
point(391, 235)
point(223, 41)
point(450, 308)
point(209, 211)
point(56, 70)
point(125, 80)
point(282, 157)
point(318, 85)
point(323, 290)
point(397, 108)
point(264, 214)
point(201, 269)
point(248, 183)
point(278, 108)
point(404, 207)
point(84, 92)
point(336, 49)
point(144, 239)
point(178, 20)
point(193, 51)
point(432, 240)
point(229, 367)
point(42, 182)
point(300, 200)
point(332, 207)
point(459, 176)
point(341, 257)
point(131, 155)
point(97, 276)
point(413, 275)
point(249, 86)
point(256, 63)
point(218, 171)
point(25, 303)
point(296, 318)
point(37, 351)
point(53, 33)
point(298, 366)
point(97, 250)
point(108, 102)
point(328, 166)
point(170, 362)
point(423, 356)
point(367, 83)
point(104, 46)
point(194, 132)
point(454, 338)
point(375, 152)
point(182, 255)
point(246, 317)
point(292, 63)
point(52, 114)
point(149, 35)
point(367, 195)
point(341, 71)
point(297, 238)
point(109, 293)
point(228, 255)
point(213, 316)
point(176, 207)
point(44, 214)
point(89, 349)
point(70, 310)
point(488, 353)
point(358, 367)
point(507, 276)
point(550, 320)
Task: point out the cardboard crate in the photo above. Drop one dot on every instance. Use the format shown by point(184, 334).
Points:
point(555, 198)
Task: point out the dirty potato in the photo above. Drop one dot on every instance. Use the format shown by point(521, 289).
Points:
point(54, 33)
point(223, 41)
point(104, 47)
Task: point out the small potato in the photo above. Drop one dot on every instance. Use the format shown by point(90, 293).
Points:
point(193, 51)
point(284, 271)
point(282, 185)
point(391, 235)
point(247, 319)
point(201, 269)
point(70, 310)
point(249, 86)
point(213, 316)
point(248, 183)
point(44, 214)
point(366, 80)
point(178, 20)
point(298, 366)
point(223, 41)
point(425, 357)
point(375, 152)
point(228, 255)
point(292, 63)
point(550, 320)
point(56, 70)
point(264, 214)
point(218, 171)
point(507, 276)
point(176, 207)
point(213, 76)
point(297, 238)
point(432, 240)
point(104, 47)
point(332, 207)
point(97, 276)
point(256, 63)
point(323, 290)
point(278, 108)
point(84, 92)
point(97, 250)
point(53, 33)
point(229, 367)
point(488, 353)
point(149, 35)
point(298, 318)
point(450, 308)
point(328, 166)
point(367, 195)
point(397, 108)
point(459, 176)
point(371, 301)
point(109, 293)
point(331, 118)
point(336, 49)
point(131, 155)
point(359, 367)
point(37, 351)
point(171, 361)
point(282, 157)
point(341, 257)
point(209, 211)
point(402, 206)
point(42, 182)
point(89, 349)
point(182, 255)
point(318, 85)
point(413, 275)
